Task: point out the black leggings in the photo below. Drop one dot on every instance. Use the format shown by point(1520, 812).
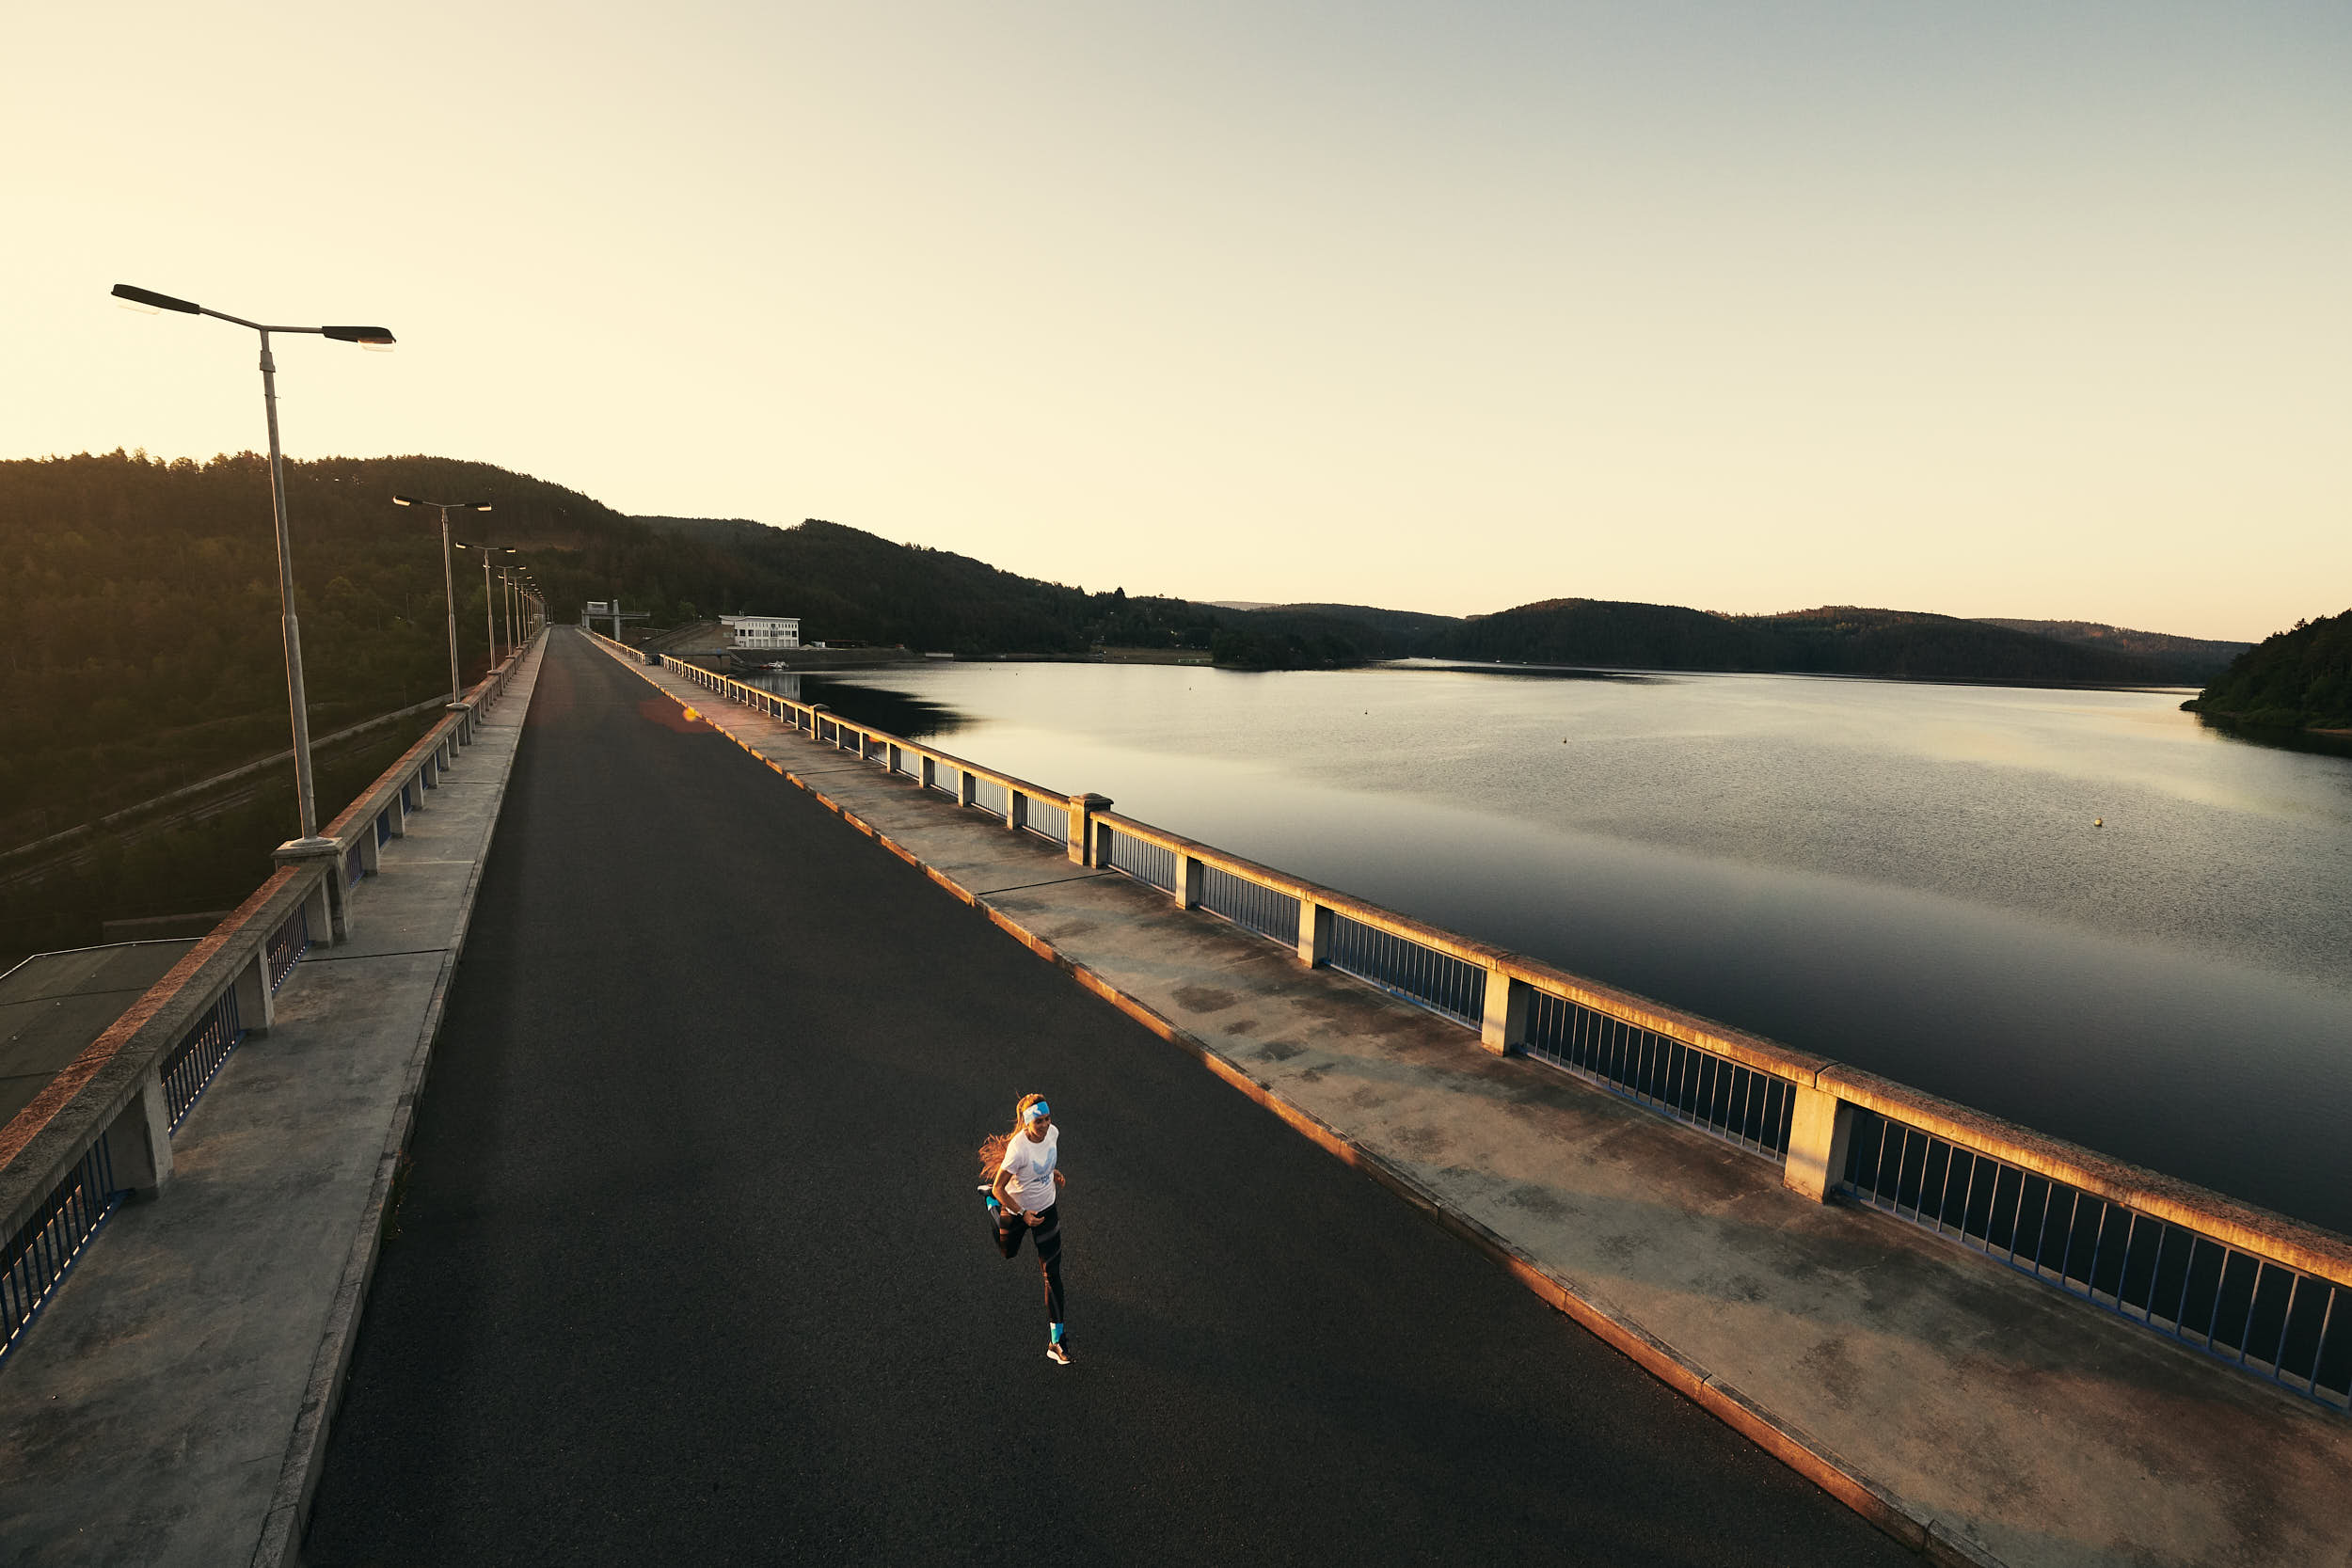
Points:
point(1010, 1227)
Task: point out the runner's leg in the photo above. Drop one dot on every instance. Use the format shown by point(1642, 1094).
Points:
point(1049, 1258)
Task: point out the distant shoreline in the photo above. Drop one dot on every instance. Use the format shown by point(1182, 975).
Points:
point(1609, 672)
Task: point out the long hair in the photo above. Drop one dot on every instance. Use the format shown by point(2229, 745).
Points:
point(993, 1149)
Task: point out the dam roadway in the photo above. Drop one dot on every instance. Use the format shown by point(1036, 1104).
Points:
point(687, 1264)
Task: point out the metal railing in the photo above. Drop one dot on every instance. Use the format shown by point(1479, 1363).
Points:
point(50, 1239)
point(287, 944)
point(191, 1064)
point(2286, 1323)
point(1048, 819)
point(1252, 906)
point(1734, 1101)
point(2256, 1289)
point(1139, 858)
point(992, 797)
point(1397, 964)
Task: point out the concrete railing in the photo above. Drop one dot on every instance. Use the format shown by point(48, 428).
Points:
point(2255, 1288)
point(101, 1130)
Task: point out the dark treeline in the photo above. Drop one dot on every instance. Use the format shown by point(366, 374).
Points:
point(2301, 678)
point(143, 647)
point(1835, 639)
point(851, 586)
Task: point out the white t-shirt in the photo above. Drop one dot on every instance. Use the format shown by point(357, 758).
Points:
point(1031, 1162)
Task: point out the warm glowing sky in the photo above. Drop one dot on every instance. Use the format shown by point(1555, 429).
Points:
point(2037, 308)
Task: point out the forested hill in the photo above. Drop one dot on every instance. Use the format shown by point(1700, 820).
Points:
point(2196, 658)
point(851, 586)
point(2301, 678)
point(1835, 639)
point(143, 648)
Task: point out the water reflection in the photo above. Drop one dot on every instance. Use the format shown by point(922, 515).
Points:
point(2081, 910)
point(903, 714)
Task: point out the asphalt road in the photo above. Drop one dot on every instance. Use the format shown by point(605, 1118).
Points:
point(687, 1265)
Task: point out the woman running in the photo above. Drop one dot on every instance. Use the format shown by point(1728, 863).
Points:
point(1022, 1191)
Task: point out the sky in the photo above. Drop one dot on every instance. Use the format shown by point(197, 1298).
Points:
point(1997, 308)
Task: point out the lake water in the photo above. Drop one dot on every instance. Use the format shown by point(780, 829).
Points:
point(1907, 878)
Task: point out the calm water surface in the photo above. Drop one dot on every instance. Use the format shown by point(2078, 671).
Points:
point(1906, 877)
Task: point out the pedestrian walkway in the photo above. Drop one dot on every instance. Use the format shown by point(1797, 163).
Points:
point(169, 1405)
point(1938, 1392)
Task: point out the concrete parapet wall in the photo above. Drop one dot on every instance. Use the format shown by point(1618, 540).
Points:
point(43, 1142)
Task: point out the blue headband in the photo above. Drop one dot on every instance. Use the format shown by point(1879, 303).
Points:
point(1037, 1111)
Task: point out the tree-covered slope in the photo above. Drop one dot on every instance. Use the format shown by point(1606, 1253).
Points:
point(1835, 639)
point(144, 648)
point(2301, 678)
point(1908, 645)
point(1608, 632)
point(847, 585)
point(2192, 660)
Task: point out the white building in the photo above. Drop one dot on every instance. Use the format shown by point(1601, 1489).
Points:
point(762, 631)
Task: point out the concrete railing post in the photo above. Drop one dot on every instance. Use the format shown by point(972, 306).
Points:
point(1315, 934)
point(1016, 809)
point(1188, 879)
point(931, 772)
point(257, 1003)
point(969, 790)
point(1082, 810)
point(464, 715)
point(815, 733)
point(318, 915)
point(371, 851)
point(1819, 1125)
point(139, 1144)
point(330, 917)
point(399, 809)
point(896, 758)
point(1504, 1030)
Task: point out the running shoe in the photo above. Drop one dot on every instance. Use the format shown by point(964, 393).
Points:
point(1059, 1353)
point(988, 1196)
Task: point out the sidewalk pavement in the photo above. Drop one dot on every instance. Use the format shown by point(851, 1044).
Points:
point(171, 1403)
point(1963, 1407)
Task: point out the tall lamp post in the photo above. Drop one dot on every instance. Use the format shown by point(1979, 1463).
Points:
point(449, 582)
point(366, 336)
point(489, 595)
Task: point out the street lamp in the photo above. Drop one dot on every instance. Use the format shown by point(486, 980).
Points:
point(366, 336)
point(506, 603)
point(489, 599)
point(449, 584)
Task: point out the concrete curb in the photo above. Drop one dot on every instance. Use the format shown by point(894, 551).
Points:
point(1932, 1539)
point(280, 1542)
